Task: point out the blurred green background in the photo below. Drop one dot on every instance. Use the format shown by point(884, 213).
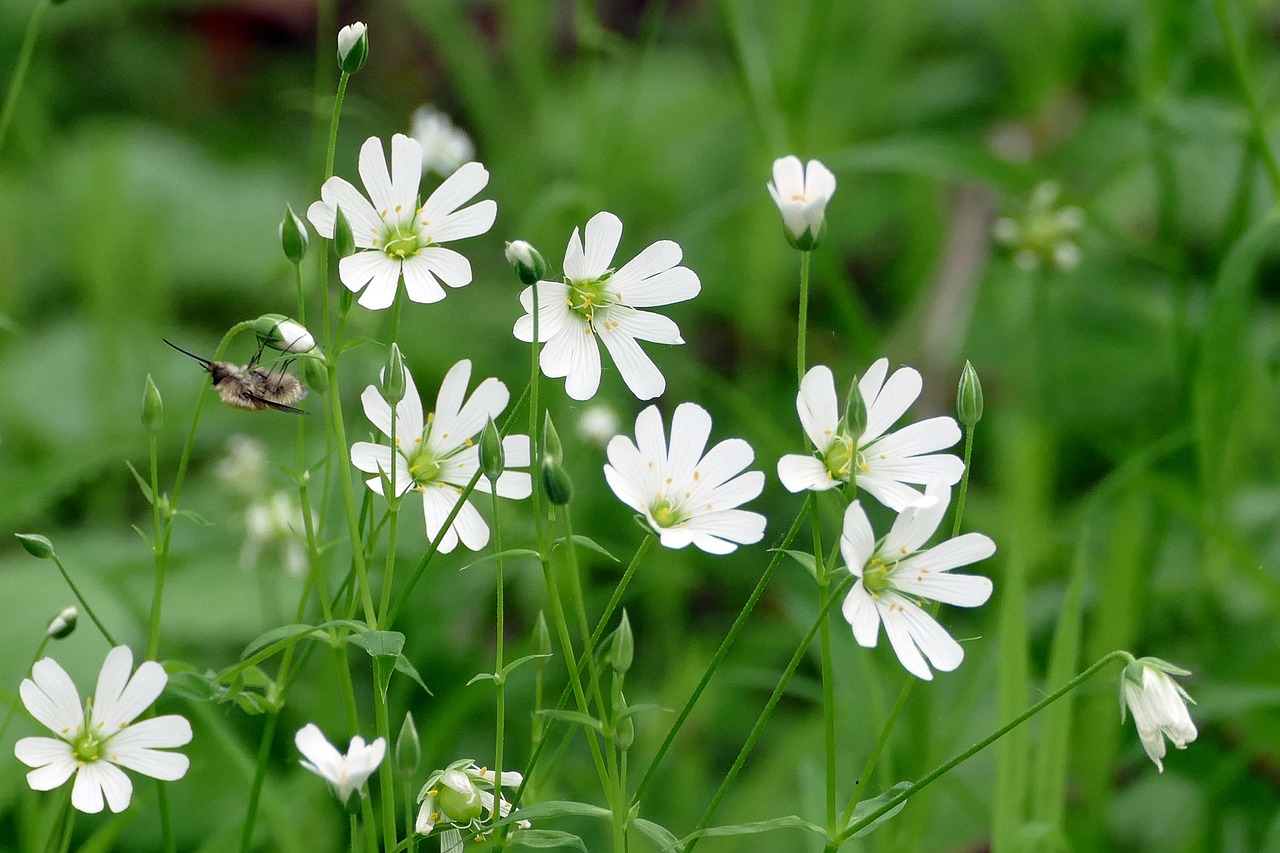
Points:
point(1126, 466)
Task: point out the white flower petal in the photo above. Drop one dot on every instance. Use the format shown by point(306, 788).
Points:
point(963, 550)
point(923, 437)
point(162, 732)
point(165, 766)
point(645, 325)
point(51, 697)
point(921, 470)
point(356, 271)
point(455, 191)
point(733, 525)
point(857, 540)
point(381, 291)
point(53, 774)
point(419, 283)
point(373, 173)
point(449, 266)
point(916, 523)
point(891, 402)
point(487, 401)
point(553, 313)
point(468, 222)
point(603, 233)
point(798, 473)
point(438, 501)
point(888, 491)
point(406, 171)
point(860, 612)
point(960, 590)
point(916, 629)
point(632, 480)
point(97, 779)
point(42, 751)
point(642, 376)
point(788, 178)
point(366, 225)
point(898, 630)
point(114, 706)
point(322, 757)
point(575, 352)
point(817, 405)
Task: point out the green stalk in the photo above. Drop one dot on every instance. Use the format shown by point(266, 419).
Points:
point(500, 711)
point(1257, 121)
point(157, 594)
point(802, 325)
point(386, 774)
point(20, 70)
point(355, 835)
point(943, 769)
point(763, 719)
point(725, 645)
point(964, 482)
point(57, 561)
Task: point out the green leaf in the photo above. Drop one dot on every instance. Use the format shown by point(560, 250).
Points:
point(516, 664)
point(756, 828)
point(806, 560)
point(142, 484)
point(642, 708)
point(545, 839)
point(379, 643)
point(510, 552)
point(199, 519)
point(658, 834)
point(588, 543)
point(253, 703)
point(484, 676)
point(145, 537)
point(866, 807)
point(404, 667)
point(556, 808)
point(293, 633)
point(192, 686)
point(573, 717)
point(352, 344)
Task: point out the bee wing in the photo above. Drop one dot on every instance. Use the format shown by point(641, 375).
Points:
point(272, 404)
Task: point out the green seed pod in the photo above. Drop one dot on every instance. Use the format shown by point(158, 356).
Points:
point(293, 236)
point(343, 243)
point(408, 747)
point(61, 626)
point(493, 459)
point(393, 382)
point(37, 546)
point(969, 397)
point(353, 47)
point(528, 262)
point(855, 411)
point(152, 407)
point(624, 646)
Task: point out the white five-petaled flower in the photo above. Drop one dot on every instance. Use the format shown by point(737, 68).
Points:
point(399, 238)
point(345, 773)
point(95, 740)
point(439, 454)
point(596, 300)
point(686, 496)
point(444, 147)
point(882, 464)
point(461, 795)
point(802, 193)
point(894, 575)
point(1159, 706)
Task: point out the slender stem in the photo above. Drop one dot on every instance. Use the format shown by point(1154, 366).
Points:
point(802, 326)
point(860, 784)
point(535, 445)
point(166, 820)
point(579, 604)
point(161, 557)
point(1257, 121)
point(500, 711)
point(57, 561)
point(828, 690)
point(349, 498)
point(388, 574)
point(943, 769)
point(964, 482)
point(355, 834)
point(63, 833)
point(259, 777)
point(411, 843)
point(763, 719)
point(725, 645)
point(20, 70)
point(386, 772)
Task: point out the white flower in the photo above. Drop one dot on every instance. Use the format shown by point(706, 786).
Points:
point(346, 773)
point(596, 300)
point(684, 495)
point(884, 464)
point(462, 795)
point(398, 237)
point(444, 147)
point(597, 424)
point(1159, 706)
point(94, 741)
point(438, 455)
point(63, 624)
point(802, 193)
point(894, 575)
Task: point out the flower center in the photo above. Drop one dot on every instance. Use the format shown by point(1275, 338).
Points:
point(842, 456)
point(587, 296)
point(88, 747)
point(875, 577)
point(664, 514)
point(423, 467)
point(401, 241)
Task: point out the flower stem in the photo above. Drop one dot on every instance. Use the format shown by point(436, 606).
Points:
point(802, 324)
point(725, 645)
point(1257, 121)
point(943, 769)
point(57, 561)
point(20, 70)
point(500, 710)
point(964, 482)
point(161, 558)
point(386, 772)
point(259, 778)
point(355, 834)
point(763, 719)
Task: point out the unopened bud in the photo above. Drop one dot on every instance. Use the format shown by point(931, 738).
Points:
point(552, 450)
point(855, 411)
point(556, 482)
point(528, 262)
point(281, 333)
point(969, 397)
point(353, 47)
point(293, 236)
point(493, 459)
point(61, 626)
point(36, 545)
point(393, 382)
point(152, 407)
point(624, 646)
point(408, 747)
point(344, 243)
point(316, 374)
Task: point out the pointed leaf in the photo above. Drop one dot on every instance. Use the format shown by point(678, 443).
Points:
point(573, 717)
point(866, 807)
point(405, 668)
point(199, 519)
point(547, 839)
point(588, 543)
point(510, 552)
point(756, 828)
point(516, 664)
point(142, 484)
point(806, 560)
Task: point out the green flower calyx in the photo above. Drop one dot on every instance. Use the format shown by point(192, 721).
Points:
point(875, 577)
point(424, 467)
point(842, 457)
point(588, 295)
point(664, 514)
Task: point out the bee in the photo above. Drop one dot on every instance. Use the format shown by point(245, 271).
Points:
point(252, 387)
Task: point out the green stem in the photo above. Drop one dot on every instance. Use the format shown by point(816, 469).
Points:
point(386, 773)
point(392, 531)
point(763, 719)
point(725, 645)
point(166, 820)
point(355, 833)
point(964, 482)
point(411, 843)
point(57, 561)
point(802, 325)
point(259, 778)
point(500, 711)
point(1257, 121)
point(349, 497)
point(20, 70)
point(943, 769)
point(161, 557)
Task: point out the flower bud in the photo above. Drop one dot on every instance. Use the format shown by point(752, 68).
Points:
point(969, 397)
point(408, 747)
point(552, 450)
point(802, 193)
point(316, 374)
point(152, 407)
point(855, 411)
point(624, 646)
point(36, 545)
point(625, 735)
point(61, 626)
point(281, 333)
point(528, 262)
point(293, 236)
point(353, 47)
point(493, 459)
point(556, 482)
point(393, 383)
point(344, 243)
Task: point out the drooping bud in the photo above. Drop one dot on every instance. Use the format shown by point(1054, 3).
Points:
point(408, 747)
point(493, 459)
point(344, 243)
point(855, 411)
point(61, 626)
point(293, 236)
point(281, 333)
point(152, 407)
point(969, 397)
point(393, 383)
point(37, 546)
point(624, 646)
point(353, 47)
point(528, 262)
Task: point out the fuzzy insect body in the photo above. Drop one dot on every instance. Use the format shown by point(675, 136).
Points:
point(252, 387)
